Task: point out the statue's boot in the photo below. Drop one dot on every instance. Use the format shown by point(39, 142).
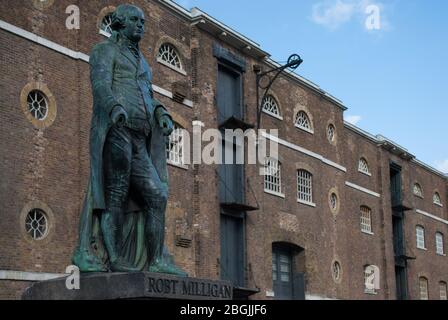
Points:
point(155, 230)
point(109, 228)
point(86, 261)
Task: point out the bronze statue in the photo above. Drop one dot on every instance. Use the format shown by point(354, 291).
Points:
point(122, 224)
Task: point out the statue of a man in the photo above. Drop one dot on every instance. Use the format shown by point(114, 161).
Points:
point(122, 224)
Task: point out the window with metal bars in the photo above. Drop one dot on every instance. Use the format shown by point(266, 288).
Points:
point(423, 285)
point(174, 146)
point(366, 219)
point(272, 176)
point(304, 186)
point(439, 244)
point(443, 290)
point(420, 235)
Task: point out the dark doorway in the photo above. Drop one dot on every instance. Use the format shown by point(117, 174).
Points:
point(288, 276)
point(232, 248)
point(229, 94)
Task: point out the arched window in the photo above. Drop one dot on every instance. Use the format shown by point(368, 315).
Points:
point(273, 176)
point(331, 133)
point(336, 271)
point(169, 56)
point(423, 285)
point(420, 236)
point(302, 121)
point(436, 199)
point(366, 219)
point(371, 279)
point(443, 290)
point(106, 25)
point(175, 146)
point(304, 186)
point(363, 166)
point(440, 243)
point(418, 191)
point(270, 106)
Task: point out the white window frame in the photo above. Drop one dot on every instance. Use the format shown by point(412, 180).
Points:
point(437, 200)
point(305, 187)
point(363, 167)
point(331, 129)
point(443, 288)
point(273, 102)
point(417, 190)
point(440, 245)
point(366, 220)
point(175, 155)
point(301, 127)
point(104, 32)
point(42, 103)
point(423, 288)
point(173, 49)
point(420, 237)
point(273, 177)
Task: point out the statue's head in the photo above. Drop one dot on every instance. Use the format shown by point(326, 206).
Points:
point(129, 20)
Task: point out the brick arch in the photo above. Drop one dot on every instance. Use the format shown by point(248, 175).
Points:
point(179, 119)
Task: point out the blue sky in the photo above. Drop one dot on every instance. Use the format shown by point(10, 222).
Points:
point(393, 79)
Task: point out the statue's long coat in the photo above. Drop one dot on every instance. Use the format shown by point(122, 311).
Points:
point(116, 78)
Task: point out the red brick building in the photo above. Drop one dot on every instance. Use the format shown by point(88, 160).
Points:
point(348, 216)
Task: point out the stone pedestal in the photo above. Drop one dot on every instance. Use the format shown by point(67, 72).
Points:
point(139, 285)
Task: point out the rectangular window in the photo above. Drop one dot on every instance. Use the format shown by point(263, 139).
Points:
point(423, 282)
point(439, 244)
point(174, 146)
point(304, 186)
point(272, 176)
point(420, 231)
point(443, 291)
point(366, 220)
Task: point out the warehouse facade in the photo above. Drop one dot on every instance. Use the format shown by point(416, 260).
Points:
point(343, 214)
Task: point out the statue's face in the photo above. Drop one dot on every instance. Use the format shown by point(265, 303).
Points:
point(134, 24)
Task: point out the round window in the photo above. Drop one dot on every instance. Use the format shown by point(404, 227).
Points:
point(337, 272)
point(37, 104)
point(333, 202)
point(36, 224)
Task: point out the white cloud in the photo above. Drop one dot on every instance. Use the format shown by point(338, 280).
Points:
point(442, 165)
point(353, 119)
point(334, 13)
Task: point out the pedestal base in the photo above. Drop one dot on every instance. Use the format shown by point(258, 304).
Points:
point(139, 285)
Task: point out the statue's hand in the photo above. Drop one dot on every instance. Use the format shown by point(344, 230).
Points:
point(118, 115)
point(166, 125)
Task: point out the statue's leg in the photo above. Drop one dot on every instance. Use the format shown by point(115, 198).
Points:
point(152, 195)
point(117, 159)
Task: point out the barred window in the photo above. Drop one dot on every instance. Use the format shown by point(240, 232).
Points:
point(331, 133)
point(175, 147)
point(439, 243)
point(436, 199)
point(418, 191)
point(304, 186)
point(366, 219)
point(423, 284)
point(169, 56)
point(270, 106)
point(272, 176)
point(363, 166)
point(106, 25)
point(302, 121)
point(37, 104)
point(36, 224)
point(420, 232)
point(443, 290)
